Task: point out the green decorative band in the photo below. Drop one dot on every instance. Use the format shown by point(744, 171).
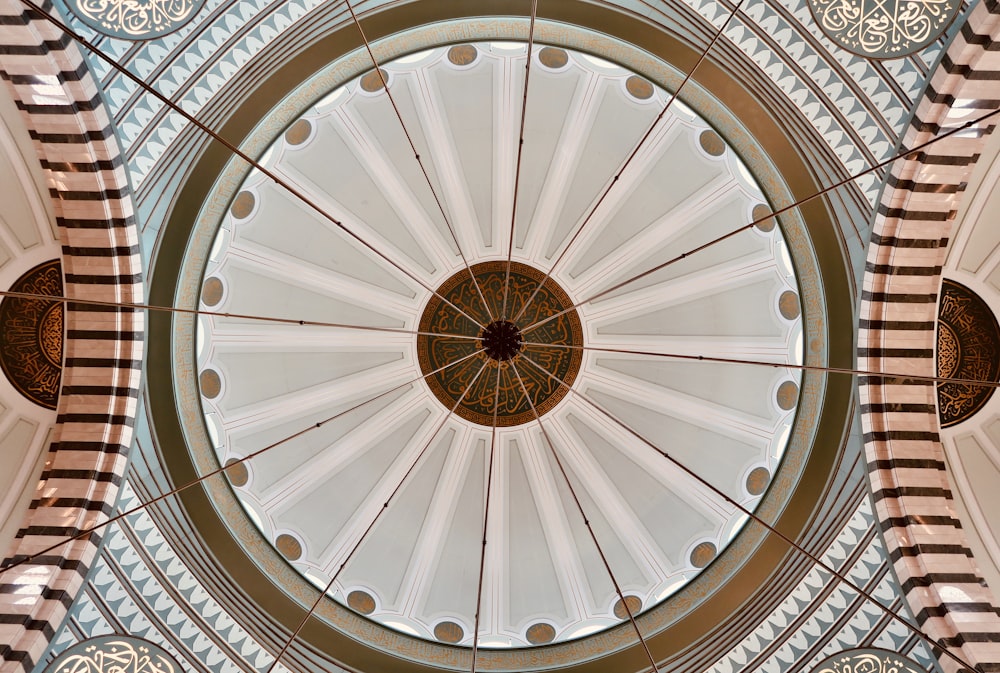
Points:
point(484, 381)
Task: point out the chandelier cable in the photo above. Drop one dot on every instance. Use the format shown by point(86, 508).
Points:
point(18, 561)
point(772, 215)
point(291, 189)
point(774, 365)
point(631, 156)
point(416, 155)
point(375, 519)
point(520, 152)
point(586, 521)
point(32, 296)
point(486, 521)
point(749, 513)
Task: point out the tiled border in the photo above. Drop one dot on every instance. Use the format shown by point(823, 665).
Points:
point(72, 134)
point(906, 462)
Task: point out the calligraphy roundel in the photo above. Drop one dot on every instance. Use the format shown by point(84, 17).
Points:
point(884, 29)
point(31, 335)
point(114, 654)
point(968, 347)
point(506, 344)
point(132, 20)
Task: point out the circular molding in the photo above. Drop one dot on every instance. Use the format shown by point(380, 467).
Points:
point(462, 55)
point(448, 314)
point(661, 623)
point(634, 606)
point(758, 480)
point(243, 205)
point(298, 133)
point(237, 472)
point(639, 87)
point(540, 633)
point(552, 57)
point(449, 632)
point(361, 601)
point(210, 383)
point(703, 554)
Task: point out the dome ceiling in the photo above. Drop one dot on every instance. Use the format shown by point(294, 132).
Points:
point(392, 436)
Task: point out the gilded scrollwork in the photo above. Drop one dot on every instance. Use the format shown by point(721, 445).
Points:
point(135, 19)
point(114, 654)
point(968, 347)
point(884, 28)
point(482, 391)
point(31, 335)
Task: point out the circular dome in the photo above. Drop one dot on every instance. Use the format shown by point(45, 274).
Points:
point(375, 476)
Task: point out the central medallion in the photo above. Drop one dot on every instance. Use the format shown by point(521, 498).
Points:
point(518, 366)
point(502, 340)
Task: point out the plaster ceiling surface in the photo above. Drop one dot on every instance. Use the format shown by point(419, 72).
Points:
point(414, 564)
point(973, 445)
point(28, 237)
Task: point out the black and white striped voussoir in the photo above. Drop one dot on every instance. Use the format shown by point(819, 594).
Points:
point(906, 462)
point(85, 173)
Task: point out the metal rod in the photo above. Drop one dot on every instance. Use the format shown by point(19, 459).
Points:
point(17, 562)
point(416, 155)
point(631, 156)
point(294, 191)
point(586, 521)
point(836, 185)
point(486, 521)
point(222, 314)
point(774, 365)
point(733, 503)
point(520, 151)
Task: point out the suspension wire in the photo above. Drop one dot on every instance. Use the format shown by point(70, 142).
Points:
point(586, 521)
point(223, 314)
point(303, 198)
point(631, 156)
point(770, 216)
point(520, 151)
point(775, 365)
point(747, 512)
point(416, 155)
point(378, 515)
point(219, 470)
point(291, 189)
point(486, 521)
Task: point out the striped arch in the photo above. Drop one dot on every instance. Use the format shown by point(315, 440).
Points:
point(906, 462)
point(103, 348)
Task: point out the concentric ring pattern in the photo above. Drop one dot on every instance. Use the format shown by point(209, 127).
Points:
point(386, 437)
